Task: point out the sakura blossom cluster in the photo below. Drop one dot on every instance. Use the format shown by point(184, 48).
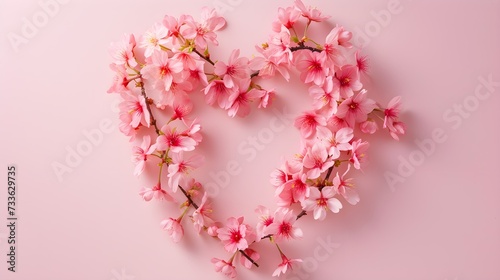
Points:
point(158, 75)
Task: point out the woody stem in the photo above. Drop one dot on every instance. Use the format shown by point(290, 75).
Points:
point(153, 120)
point(329, 173)
point(191, 202)
point(249, 258)
point(302, 46)
point(204, 57)
point(301, 214)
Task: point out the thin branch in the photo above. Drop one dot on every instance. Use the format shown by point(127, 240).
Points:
point(267, 236)
point(153, 120)
point(301, 214)
point(204, 57)
point(191, 202)
point(249, 258)
point(304, 47)
point(329, 173)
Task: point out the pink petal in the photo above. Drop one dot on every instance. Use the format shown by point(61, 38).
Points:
point(297, 233)
point(319, 213)
point(351, 196)
point(139, 168)
point(344, 135)
point(334, 205)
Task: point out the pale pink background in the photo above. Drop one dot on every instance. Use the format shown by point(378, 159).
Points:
point(441, 223)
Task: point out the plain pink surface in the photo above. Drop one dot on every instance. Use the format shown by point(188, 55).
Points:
point(442, 222)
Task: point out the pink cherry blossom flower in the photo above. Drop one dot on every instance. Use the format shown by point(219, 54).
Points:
point(173, 26)
point(267, 67)
point(234, 235)
point(224, 267)
point(347, 81)
point(312, 67)
point(317, 161)
point(325, 99)
point(320, 201)
point(193, 187)
point(135, 105)
point(265, 219)
point(179, 169)
point(283, 225)
point(212, 230)
point(253, 255)
point(295, 190)
point(182, 107)
point(296, 163)
point(162, 71)
point(235, 71)
point(265, 97)
point(340, 36)
point(286, 17)
point(369, 126)
point(335, 143)
point(171, 139)
point(356, 109)
point(392, 111)
point(125, 125)
point(310, 13)
point(216, 91)
point(193, 131)
point(345, 187)
point(279, 46)
point(187, 59)
point(279, 177)
point(335, 42)
point(121, 80)
point(173, 228)
point(197, 76)
point(361, 62)
point(308, 122)
point(123, 51)
point(398, 128)
point(204, 32)
point(156, 192)
point(335, 123)
point(177, 93)
point(241, 105)
point(391, 118)
point(359, 153)
point(154, 39)
point(285, 265)
point(140, 154)
point(202, 216)
point(211, 17)
point(285, 197)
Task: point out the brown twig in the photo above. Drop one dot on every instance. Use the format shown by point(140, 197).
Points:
point(301, 214)
point(329, 173)
point(204, 57)
point(191, 202)
point(304, 47)
point(249, 258)
point(152, 118)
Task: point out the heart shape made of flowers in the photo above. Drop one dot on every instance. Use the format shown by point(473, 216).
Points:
point(156, 75)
